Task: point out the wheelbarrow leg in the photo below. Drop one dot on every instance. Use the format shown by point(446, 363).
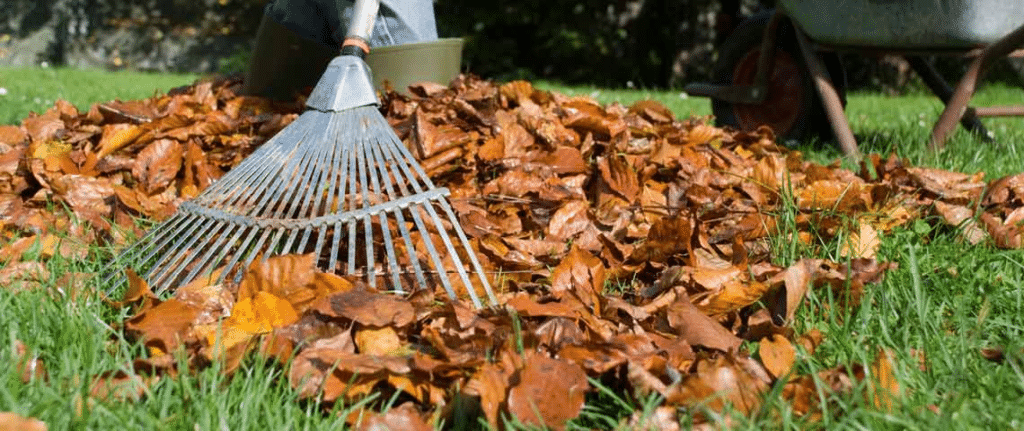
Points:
point(829, 97)
point(944, 92)
point(957, 105)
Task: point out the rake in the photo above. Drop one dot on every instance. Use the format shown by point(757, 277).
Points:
point(336, 182)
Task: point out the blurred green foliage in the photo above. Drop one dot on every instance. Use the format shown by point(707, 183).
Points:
point(577, 41)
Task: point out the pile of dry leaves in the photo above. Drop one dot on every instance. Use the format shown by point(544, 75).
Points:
point(630, 247)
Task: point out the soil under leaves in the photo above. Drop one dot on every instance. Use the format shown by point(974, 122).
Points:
point(628, 246)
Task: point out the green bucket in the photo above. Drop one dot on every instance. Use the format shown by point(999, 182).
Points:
point(401, 65)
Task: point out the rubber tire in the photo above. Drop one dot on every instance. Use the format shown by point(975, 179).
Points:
point(811, 120)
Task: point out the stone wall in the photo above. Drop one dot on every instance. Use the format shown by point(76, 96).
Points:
point(157, 35)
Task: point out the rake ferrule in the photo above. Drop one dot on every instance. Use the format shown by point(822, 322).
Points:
point(346, 84)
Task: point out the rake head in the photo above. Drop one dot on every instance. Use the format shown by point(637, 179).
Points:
point(338, 183)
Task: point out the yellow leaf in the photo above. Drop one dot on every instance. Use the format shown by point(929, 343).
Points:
point(777, 354)
point(886, 387)
point(863, 243)
point(379, 341)
point(52, 148)
point(253, 316)
point(117, 136)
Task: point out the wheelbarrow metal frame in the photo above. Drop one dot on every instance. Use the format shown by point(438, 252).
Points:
point(955, 100)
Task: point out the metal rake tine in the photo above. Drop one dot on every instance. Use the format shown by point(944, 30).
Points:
point(406, 155)
point(231, 191)
point(275, 202)
point(131, 254)
point(469, 251)
point(369, 154)
point(367, 222)
point(158, 237)
point(286, 191)
point(308, 176)
point(261, 201)
point(251, 253)
point(442, 232)
point(237, 256)
point(386, 173)
point(351, 246)
point(176, 252)
point(352, 204)
point(313, 193)
point(340, 179)
point(390, 146)
point(169, 274)
point(223, 245)
point(296, 180)
point(397, 147)
point(323, 204)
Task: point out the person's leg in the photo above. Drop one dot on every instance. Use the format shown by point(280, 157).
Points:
point(283, 63)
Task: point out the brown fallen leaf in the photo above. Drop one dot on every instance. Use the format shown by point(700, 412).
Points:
point(367, 307)
point(885, 390)
point(158, 164)
point(12, 135)
point(582, 275)
point(23, 276)
point(549, 392)
point(120, 386)
point(777, 355)
point(164, 326)
point(379, 341)
point(10, 421)
point(403, 417)
point(961, 217)
point(726, 379)
point(863, 243)
point(30, 367)
point(250, 317)
point(664, 418)
point(795, 281)
point(698, 329)
point(490, 383)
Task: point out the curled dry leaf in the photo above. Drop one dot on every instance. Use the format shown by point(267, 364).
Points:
point(963, 218)
point(582, 275)
point(163, 327)
point(699, 329)
point(490, 383)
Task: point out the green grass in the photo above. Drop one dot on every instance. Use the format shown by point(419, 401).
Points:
point(35, 89)
point(945, 299)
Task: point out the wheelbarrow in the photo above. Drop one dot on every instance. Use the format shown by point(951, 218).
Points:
point(800, 83)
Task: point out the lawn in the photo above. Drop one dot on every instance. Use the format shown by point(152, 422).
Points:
point(35, 89)
point(943, 304)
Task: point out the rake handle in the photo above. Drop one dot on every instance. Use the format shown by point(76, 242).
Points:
point(357, 39)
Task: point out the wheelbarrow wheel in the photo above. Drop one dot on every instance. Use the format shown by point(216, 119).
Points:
point(792, 109)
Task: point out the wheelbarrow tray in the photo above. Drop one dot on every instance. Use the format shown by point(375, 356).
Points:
point(906, 24)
